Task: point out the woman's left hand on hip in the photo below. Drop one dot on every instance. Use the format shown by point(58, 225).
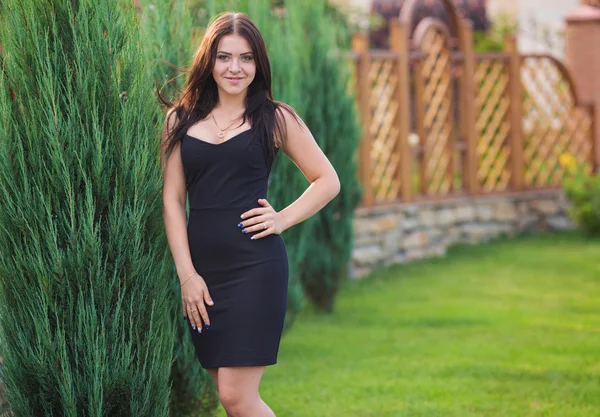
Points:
point(262, 219)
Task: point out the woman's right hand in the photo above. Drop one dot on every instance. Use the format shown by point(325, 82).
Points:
point(194, 295)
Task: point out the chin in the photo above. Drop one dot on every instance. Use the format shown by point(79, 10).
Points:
point(235, 91)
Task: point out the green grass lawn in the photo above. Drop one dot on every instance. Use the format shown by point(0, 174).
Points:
point(510, 328)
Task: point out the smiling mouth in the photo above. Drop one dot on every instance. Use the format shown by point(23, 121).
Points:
point(233, 79)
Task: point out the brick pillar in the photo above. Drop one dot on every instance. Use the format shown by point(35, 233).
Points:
point(582, 37)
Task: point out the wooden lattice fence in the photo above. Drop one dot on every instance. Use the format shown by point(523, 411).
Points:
point(493, 122)
point(553, 123)
point(383, 78)
point(440, 120)
point(434, 105)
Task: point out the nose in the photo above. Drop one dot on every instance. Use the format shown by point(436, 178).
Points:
point(235, 66)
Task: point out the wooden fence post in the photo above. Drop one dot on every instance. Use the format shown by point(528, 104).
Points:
point(517, 145)
point(582, 36)
point(419, 81)
point(360, 46)
point(399, 43)
point(468, 116)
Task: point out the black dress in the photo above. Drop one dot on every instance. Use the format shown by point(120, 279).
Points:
point(247, 279)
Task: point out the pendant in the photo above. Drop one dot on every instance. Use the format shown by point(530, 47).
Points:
point(221, 135)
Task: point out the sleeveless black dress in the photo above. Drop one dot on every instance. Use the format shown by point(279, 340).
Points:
point(247, 279)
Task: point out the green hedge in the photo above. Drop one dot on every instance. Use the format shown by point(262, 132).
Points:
point(86, 327)
point(168, 34)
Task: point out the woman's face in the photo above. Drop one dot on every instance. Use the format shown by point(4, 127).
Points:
point(234, 65)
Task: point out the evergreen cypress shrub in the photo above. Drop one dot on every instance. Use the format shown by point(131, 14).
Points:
point(85, 269)
point(332, 117)
point(168, 32)
point(3, 402)
point(287, 49)
point(583, 190)
point(170, 38)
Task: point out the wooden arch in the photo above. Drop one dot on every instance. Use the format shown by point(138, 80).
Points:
point(408, 11)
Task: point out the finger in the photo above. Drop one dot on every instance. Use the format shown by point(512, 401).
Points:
point(194, 317)
point(197, 319)
point(264, 202)
point(207, 298)
point(262, 234)
point(204, 314)
point(256, 220)
point(197, 315)
point(259, 227)
point(186, 309)
point(254, 212)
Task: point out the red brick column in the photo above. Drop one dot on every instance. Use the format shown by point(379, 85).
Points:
point(582, 40)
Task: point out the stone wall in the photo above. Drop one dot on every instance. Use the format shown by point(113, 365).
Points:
point(399, 233)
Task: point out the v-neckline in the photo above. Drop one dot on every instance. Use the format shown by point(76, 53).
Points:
point(222, 143)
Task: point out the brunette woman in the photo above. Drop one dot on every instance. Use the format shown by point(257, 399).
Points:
point(220, 139)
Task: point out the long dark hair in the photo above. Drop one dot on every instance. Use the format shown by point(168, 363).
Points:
point(200, 94)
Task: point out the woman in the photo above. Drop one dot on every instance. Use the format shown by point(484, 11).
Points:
point(220, 139)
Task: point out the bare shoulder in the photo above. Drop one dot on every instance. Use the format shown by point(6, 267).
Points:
point(166, 136)
point(291, 122)
point(287, 113)
point(170, 119)
point(301, 147)
point(169, 125)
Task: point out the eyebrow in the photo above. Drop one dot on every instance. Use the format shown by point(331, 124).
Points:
point(227, 53)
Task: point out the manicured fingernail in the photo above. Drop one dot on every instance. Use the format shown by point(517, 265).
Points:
point(207, 326)
point(244, 231)
point(240, 225)
point(242, 216)
point(252, 238)
point(185, 317)
point(199, 330)
point(193, 327)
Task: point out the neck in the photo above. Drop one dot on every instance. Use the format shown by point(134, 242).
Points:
point(231, 104)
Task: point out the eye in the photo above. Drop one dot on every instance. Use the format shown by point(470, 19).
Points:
point(247, 57)
point(222, 57)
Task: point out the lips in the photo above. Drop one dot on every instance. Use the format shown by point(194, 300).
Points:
point(234, 79)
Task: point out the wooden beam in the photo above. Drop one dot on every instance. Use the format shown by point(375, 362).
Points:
point(360, 45)
point(516, 141)
point(399, 43)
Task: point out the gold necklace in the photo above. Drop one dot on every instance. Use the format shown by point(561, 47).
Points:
point(221, 133)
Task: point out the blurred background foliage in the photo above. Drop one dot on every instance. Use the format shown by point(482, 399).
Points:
point(492, 40)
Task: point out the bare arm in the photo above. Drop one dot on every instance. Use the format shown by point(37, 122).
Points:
point(303, 150)
point(194, 292)
point(174, 200)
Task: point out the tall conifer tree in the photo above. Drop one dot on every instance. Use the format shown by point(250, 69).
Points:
point(169, 35)
point(332, 117)
point(84, 267)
